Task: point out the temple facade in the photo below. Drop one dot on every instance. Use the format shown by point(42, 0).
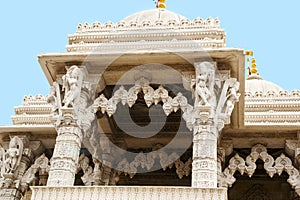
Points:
point(153, 107)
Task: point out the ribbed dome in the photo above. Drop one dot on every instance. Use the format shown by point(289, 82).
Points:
point(154, 16)
point(255, 84)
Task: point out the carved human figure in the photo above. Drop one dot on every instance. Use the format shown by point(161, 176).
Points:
point(13, 155)
point(202, 92)
point(232, 97)
point(52, 99)
point(71, 85)
point(87, 170)
point(202, 86)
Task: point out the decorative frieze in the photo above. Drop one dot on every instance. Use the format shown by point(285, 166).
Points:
point(198, 22)
point(272, 108)
point(156, 31)
point(128, 193)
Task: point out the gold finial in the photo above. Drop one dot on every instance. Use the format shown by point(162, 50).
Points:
point(253, 69)
point(161, 4)
point(251, 62)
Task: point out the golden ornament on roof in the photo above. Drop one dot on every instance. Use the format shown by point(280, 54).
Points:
point(161, 4)
point(253, 67)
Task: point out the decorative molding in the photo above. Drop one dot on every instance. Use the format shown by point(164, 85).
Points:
point(271, 108)
point(160, 34)
point(198, 22)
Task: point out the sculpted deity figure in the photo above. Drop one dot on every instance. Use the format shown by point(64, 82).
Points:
point(202, 86)
point(13, 155)
point(202, 92)
point(52, 98)
point(71, 85)
point(232, 97)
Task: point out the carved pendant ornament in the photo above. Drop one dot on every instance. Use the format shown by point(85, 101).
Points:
point(95, 176)
point(215, 97)
point(271, 165)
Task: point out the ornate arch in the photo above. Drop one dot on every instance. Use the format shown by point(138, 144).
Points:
point(227, 97)
point(282, 163)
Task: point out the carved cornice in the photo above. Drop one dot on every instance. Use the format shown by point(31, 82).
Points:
point(138, 45)
point(170, 34)
point(198, 22)
point(270, 108)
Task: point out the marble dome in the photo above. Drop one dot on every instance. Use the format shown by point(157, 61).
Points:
point(153, 16)
point(255, 85)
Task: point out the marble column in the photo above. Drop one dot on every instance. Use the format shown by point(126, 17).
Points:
point(72, 121)
point(214, 96)
point(204, 166)
point(63, 164)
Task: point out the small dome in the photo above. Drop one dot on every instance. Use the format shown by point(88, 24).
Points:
point(153, 16)
point(256, 85)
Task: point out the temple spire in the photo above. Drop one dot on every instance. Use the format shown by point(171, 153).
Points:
point(161, 4)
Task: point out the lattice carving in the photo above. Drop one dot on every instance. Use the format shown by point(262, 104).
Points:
point(282, 163)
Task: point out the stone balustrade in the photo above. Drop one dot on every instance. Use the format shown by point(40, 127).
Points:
point(127, 193)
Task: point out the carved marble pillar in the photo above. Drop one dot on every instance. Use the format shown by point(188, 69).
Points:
point(204, 166)
point(214, 101)
point(65, 157)
point(72, 121)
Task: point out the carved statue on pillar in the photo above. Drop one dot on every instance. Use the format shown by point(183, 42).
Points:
point(214, 103)
point(14, 164)
point(72, 82)
point(232, 97)
point(75, 121)
point(202, 86)
point(13, 155)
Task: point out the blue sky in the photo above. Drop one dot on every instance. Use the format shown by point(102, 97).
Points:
point(29, 28)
